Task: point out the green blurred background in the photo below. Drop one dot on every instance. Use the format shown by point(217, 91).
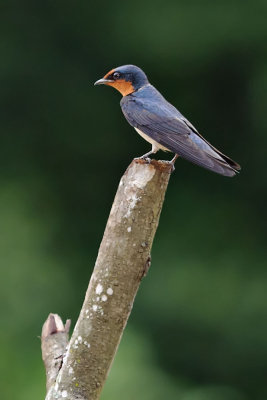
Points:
point(198, 330)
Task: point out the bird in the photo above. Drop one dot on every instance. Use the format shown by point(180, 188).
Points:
point(161, 124)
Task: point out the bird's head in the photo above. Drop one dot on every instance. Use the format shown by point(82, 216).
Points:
point(126, 79)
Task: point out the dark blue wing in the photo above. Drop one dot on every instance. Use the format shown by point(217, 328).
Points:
point(153, 115)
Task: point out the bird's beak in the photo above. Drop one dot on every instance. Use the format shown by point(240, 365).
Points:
point(102, 81)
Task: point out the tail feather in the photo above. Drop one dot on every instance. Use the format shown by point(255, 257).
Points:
point(218, 164)
point(225, 166)
point(228, 160)
point(223, 163)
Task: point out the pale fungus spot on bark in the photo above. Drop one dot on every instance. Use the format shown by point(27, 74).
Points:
point(129, 229)
point(97, 299)
point(110, 291)
point(86, 311)
point(104, 297)
point(80, 339)
point(131, 205)
point(64, 393)
point(70, 370)
point(143, 175)
point(99, 289)
point(94, 307)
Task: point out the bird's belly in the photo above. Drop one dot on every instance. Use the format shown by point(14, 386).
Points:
point(155, 145)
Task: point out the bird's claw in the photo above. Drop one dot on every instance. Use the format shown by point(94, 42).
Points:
point(146, 159)
point(172, 165)
point(169, 163)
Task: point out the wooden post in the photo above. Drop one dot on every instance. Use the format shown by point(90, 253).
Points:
point(123, 259)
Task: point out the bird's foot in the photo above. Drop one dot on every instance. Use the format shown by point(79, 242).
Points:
point(146, 159)
point(171, 162)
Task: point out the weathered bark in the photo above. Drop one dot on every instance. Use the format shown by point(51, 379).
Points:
point(123, 260)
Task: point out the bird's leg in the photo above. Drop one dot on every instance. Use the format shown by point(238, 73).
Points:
point(152, 151)
point(147, 154)
point(172, 161)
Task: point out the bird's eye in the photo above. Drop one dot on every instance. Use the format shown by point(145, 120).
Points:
point(116, 75)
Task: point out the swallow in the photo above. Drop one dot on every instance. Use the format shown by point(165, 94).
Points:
point(161, 124)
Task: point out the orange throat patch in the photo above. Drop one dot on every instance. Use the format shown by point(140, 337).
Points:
point(124, 87)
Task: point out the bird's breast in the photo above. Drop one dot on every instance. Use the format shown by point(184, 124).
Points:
point(156, 145)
